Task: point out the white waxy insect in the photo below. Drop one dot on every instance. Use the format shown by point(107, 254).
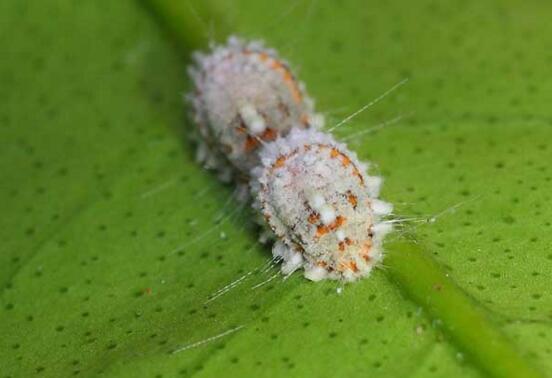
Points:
point(244, 95)
point(321, 205)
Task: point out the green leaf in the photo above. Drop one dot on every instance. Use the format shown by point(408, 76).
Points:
point(114, 242)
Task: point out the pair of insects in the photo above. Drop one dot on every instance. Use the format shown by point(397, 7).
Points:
point(258, 128)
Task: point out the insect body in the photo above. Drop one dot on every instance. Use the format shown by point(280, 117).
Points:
point(244, 95)
point(316, 197)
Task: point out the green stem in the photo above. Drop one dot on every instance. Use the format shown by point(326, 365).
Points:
point(192, 24)
point(467, 324)
point(410, 266)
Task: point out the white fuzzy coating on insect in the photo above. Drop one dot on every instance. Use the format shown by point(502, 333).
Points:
point(252, 119)
point(244, 95)
point(317, 198)
point(257, 122)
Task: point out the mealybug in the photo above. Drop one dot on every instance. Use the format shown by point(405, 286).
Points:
point(244, 95)
point(321, 205)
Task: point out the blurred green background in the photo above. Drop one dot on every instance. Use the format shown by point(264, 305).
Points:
point(113, 239)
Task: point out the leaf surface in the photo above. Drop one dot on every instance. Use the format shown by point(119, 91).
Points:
point(113, 239)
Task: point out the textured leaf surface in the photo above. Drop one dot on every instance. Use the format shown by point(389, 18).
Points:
point(113, 239)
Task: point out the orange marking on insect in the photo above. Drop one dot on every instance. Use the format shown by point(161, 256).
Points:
point(345, 160)
point(339, 221)
point(335, 153)
point(347, 265)
point(314, 218)
point(250, 143)
point(353, 200)
point(353, 266)
point(350, 265)
point(269, 134)
point(357, 173)
point(279, 162)
point(282, 159)
point(365, 250)
point(276, 65)
point(322, 230)
point(288, 79)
